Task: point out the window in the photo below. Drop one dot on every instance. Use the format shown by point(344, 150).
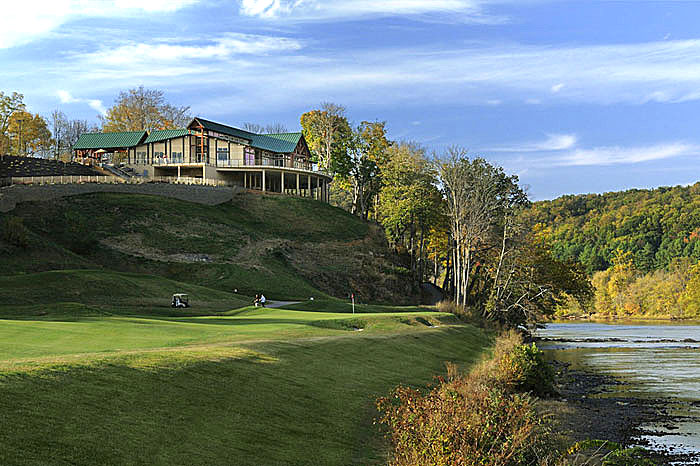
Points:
point(197, 151)
point(177, 157)
point(249, 156)
point(222, 154)
point(140, 158)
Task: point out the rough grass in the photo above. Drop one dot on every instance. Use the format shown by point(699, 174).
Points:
point(298, 393)
point(146, 294)
point(287, 248)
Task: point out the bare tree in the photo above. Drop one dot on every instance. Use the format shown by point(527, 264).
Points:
point(65, 132)
point(253, 127)
point(276, 128)
point(273, 128)
point(479, 200)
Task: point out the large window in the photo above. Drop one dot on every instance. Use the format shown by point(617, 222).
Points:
point(200, 157)
point(176, 157)
point(249, 156)
point(140, 158)
point(222, 155)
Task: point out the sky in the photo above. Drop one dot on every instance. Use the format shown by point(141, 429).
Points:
point(571, 96)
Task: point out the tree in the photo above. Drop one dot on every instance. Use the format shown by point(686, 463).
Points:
point(144, 109)
point(66, 132)
point(359, 170)
point(29, 134)
point(274, 128)
point(479, 198)
point(374, 135)
point(409, 201)
point(9, 104)
point(327, 132)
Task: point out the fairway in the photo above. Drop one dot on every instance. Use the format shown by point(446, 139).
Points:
point(257, 387)
point(21, 339)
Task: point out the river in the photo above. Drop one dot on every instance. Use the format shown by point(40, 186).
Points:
point(656, 361)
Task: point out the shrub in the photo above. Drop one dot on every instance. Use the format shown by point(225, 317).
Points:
point(474, 419)
point(523, 368)
point(14, 232)
point(467, 314)
point(517, 367)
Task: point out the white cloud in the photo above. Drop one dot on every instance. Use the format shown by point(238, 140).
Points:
point(67, 98)
point(218, 49)
point(557, 87)
point(625, 155)
point(554, 142)
point(24, 21)
point(312, 10)
point(291, 74)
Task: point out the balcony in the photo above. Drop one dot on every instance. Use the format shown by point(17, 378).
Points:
point(169, 160)
point(272, 162)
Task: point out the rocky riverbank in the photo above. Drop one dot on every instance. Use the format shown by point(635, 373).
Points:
point(589, 407)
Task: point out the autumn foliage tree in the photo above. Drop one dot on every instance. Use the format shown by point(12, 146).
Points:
point(327, 131)
point(9, 104)
point(144, 109)
point(28, 134)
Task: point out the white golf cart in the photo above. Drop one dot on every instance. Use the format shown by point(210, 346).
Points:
point(180, 300)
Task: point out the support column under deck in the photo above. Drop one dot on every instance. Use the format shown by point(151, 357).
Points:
point(308, 185)
point(282, 188)
point(298, 189)
point(263, 181)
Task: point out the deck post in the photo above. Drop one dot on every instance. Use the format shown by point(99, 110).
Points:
point(298, 190)
point(282, 176)
point(263, 180)
point(178, 172)
point(245, 180)
point(308, 185)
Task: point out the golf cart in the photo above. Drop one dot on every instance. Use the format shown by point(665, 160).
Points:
point(180, 300)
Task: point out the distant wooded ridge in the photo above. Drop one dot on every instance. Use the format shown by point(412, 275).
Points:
point(655, 226)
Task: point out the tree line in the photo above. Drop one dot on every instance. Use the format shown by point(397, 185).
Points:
point(655, 226)
point(457, 220)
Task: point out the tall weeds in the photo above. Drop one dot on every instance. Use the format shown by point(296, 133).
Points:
point(480, 418)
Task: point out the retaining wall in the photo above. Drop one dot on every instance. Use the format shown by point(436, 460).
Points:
point(10, 196)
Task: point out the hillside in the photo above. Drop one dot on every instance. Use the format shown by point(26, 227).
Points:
point(655, 226)
point(288, 248)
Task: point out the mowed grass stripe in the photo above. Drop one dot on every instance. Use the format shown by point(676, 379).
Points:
point(21, 339)
point(298, 402)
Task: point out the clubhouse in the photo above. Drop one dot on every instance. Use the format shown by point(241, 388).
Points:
point(206, 150)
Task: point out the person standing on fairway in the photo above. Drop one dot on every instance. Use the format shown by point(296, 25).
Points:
point(262, 300)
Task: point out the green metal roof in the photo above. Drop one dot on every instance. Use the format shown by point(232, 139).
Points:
point(224, 129)
point(163, 134)
point(282, 143)
point(109, 140)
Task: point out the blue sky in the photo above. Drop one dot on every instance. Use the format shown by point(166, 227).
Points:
point(572, 96)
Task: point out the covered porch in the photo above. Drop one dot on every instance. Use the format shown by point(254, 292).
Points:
point(290, 182)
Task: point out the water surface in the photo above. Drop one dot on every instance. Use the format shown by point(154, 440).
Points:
point(657, 361)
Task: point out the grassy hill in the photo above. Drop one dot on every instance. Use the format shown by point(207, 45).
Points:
point(655, 225)
point(288, 248)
